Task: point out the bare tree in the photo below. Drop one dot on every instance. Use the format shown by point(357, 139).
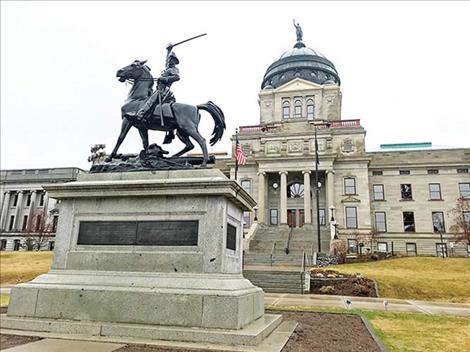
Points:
point(41, 229)
point(461, 216)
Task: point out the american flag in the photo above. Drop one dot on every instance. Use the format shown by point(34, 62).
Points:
point(241, 160)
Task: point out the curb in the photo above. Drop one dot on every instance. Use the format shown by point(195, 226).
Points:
point(372, 333)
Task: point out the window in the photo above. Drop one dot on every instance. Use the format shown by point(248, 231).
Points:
point(25, 223)
point(28, 200)
point(295, 190)
point(351, 217)
point(38, 222)
point(298, 108)
point(12, 223)
point(404, 172)
point(349, 185)
point(51, 245)
point(462, 171)
point(433, 171)
point(246, 185)
point(352, 246)
point(409, 221)
point(286, 110)
point(441, 249)
point(438, 221)
point(378, 192)
point(464, 189)
point(273, 216)
point(382, 247)
point(246, 219)
point(411, 250)
point(322, 216)
point(435, 191)
point(380, 221)
point(406, 193)
point(466, 218)
point(310, 109)
point(377, 173)
point(54, 223)
point(15, 200)
point(3, 245)
point(16, 245)
point(41, 199)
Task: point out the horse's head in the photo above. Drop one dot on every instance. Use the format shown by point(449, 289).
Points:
point(133, 71)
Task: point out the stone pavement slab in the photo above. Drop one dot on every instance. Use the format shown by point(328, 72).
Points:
point(56, 345)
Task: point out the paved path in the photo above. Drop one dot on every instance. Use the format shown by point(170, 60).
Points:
point(369, 303)
point(56, 345)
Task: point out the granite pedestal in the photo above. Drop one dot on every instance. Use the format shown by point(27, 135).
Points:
point(147, 253)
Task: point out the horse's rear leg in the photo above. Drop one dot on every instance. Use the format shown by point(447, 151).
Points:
point(125, 127)
point(193, 132)
point(185, 139)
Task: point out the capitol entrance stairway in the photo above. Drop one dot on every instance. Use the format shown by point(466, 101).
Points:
point(284, 246)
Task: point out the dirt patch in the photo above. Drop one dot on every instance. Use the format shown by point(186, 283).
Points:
point(325, 332)
point(8, 341)
point(331, 282)
point(328, 332)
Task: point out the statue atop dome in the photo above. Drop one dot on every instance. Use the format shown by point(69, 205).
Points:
point(298, 31)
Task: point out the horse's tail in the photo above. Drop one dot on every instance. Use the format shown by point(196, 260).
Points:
point(219, 120)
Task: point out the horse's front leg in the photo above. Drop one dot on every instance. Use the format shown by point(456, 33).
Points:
point(125, 127)
point(144, 134)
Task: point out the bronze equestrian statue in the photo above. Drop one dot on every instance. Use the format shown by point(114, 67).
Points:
point(144, 108)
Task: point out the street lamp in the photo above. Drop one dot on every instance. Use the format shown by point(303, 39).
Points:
point(256, 213)
point(333, 224)
point(317, 185)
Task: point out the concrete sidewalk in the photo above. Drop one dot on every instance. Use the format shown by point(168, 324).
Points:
point(369, 303)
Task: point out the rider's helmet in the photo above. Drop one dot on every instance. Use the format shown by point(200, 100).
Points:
point(172, 57)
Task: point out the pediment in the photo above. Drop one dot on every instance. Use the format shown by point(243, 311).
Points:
point(350, 199)
point(298, 84)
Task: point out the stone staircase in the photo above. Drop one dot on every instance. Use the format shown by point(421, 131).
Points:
point(268, 246)
point(279, 281)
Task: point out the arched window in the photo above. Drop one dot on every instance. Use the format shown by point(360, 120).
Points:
point(310, 109)
point(295, 190)
point(286, 110)
point(298, 108)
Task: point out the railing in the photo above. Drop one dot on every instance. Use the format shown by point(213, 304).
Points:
point(355, 123)
point(257, 129)
point(289, 236)
point(272, 253)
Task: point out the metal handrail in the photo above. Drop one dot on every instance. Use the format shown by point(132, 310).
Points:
point(272, 253)
point(289, 236)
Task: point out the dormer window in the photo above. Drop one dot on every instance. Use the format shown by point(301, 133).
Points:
point(285, 110)
point(298, 108)
point(310, 109)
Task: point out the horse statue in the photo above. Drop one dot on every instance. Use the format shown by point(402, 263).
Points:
point(182, 117)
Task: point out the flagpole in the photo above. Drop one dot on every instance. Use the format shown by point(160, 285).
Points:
point(236, 159)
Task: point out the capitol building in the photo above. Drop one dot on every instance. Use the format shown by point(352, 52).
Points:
point(398, 200)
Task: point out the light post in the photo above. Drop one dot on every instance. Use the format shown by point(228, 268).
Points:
point(333, 224)
point(256, 213)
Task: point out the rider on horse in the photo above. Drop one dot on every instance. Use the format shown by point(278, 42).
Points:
point(169, 75)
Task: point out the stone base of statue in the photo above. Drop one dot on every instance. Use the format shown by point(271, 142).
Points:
point(152, 255)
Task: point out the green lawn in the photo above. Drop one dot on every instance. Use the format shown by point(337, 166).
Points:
point(410, 332)
point(16, 267)
point(422, 278)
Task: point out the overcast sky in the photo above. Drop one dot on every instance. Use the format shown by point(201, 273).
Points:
point(404, 67)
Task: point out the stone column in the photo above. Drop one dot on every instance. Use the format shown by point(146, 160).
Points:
point(330, 191)
point(307, 198)
point(283, 197)
point(31, 209)
point(4, 215)
point(19, 206)
point(261, 197)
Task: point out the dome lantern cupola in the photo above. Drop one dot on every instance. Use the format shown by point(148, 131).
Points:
point(300, 62)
